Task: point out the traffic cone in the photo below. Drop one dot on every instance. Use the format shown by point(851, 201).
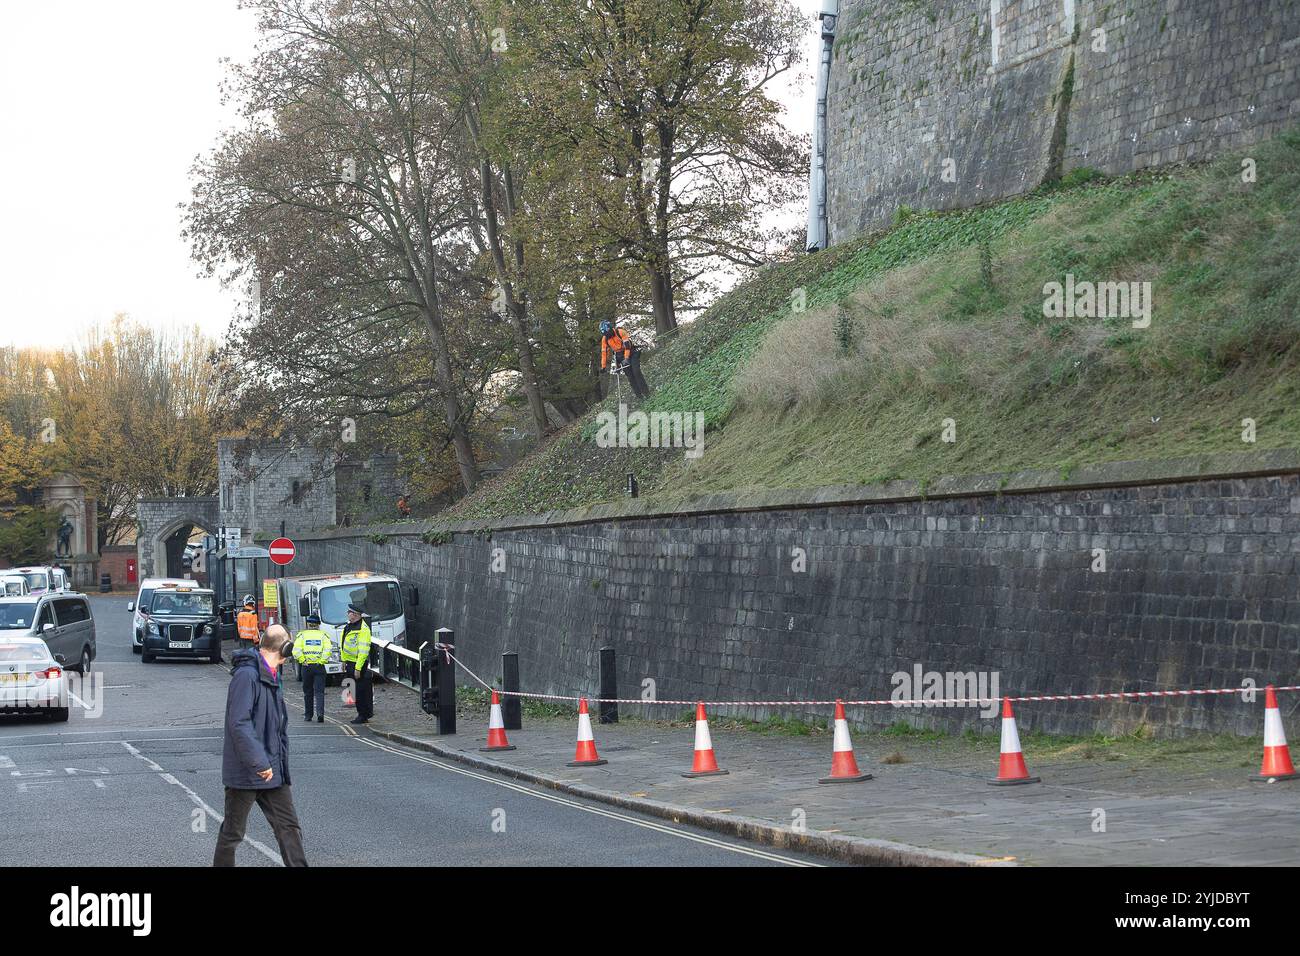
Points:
point(496, 728)
point(1277, 755)
point(586, 755)
point(844, 768)
point(1011, 765)
point(705, 765)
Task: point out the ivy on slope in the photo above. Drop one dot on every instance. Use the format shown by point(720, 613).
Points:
point(695, 373)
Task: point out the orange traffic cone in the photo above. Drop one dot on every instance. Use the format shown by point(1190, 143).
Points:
point(705, 765)
point(844, 768)
point(496, 728)
point(1277, 755)
point(586, 755)
point(1011, 765)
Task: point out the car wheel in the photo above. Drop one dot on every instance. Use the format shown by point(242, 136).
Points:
point(84, 667)
point(59, 715)
point(135, 648)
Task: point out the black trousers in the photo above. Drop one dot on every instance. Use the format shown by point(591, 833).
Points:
point(277, 807)
point(365, 693)
point(632, 368)
point(313, 689)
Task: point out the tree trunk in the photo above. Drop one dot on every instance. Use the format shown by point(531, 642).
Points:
point(517, 309)
point(661, 297)
point(446, 381)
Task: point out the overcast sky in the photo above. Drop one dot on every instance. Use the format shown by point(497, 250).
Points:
point(104, 105)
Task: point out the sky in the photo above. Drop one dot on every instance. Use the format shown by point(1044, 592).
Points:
point(104, 106)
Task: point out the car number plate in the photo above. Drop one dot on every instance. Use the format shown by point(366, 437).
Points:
point(13, 678)
point(183, 645)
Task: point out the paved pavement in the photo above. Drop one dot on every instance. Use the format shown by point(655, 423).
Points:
point(1189, 811)
point(140, 784)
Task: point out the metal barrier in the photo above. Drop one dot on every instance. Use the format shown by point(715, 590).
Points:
point(429, 672)
point(395, 663)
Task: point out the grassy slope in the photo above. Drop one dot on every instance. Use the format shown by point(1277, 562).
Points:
point(787, 406)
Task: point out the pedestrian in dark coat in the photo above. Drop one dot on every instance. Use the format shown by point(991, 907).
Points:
point(255, 756)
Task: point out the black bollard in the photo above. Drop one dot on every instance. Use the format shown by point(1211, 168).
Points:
point(438, 681)
point(608, 686)
point(512, 711)
point(446, 637)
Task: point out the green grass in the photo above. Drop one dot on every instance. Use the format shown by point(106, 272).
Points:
point(934, 339)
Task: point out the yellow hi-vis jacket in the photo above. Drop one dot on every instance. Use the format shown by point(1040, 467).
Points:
point(356, 646)
point(312, 646)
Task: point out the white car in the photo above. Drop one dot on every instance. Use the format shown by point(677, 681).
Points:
point(140, 605)
point(31, 680)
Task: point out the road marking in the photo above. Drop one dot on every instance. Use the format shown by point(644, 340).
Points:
point(5, 762)
point(564, 801)
point(597, 810)
point(146, 740)
point(261, 848)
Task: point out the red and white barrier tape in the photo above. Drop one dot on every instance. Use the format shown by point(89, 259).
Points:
point(910, 702)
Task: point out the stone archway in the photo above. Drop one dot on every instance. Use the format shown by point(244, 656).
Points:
point(160, 519)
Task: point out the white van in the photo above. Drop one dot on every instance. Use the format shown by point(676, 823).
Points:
point(43, 578)
point(14, 585)
point(378, 595)
point(141, 604)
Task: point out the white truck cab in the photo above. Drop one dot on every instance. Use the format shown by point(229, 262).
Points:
point(43, 578)
point(378, 595)
point(14, 585)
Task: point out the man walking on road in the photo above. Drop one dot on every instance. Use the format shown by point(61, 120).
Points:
point(355, 656)
point(255, 756)
point(311, 649)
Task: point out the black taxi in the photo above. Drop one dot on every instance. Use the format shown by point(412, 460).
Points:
point(182, 622)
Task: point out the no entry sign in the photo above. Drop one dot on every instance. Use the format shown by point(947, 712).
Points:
point(282, 550)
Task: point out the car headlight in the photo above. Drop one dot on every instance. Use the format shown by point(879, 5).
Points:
point(207, 628)
point(153, 628)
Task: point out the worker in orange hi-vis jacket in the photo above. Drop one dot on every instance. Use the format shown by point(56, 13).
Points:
point(247, 623)
point(627, 357)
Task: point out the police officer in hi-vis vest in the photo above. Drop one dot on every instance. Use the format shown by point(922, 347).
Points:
point(311, 649)
point(355, 656)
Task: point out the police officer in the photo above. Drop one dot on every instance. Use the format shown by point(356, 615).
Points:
point(355, 655)
point(311, 649)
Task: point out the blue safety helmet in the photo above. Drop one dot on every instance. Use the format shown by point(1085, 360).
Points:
point(606, 327)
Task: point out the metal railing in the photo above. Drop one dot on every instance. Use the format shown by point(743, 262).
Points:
point(395, 663)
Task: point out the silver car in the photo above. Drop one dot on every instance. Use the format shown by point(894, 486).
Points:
point(31, 680)
point(61, 619)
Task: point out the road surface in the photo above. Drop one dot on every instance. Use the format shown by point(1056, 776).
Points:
point(140, 784)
